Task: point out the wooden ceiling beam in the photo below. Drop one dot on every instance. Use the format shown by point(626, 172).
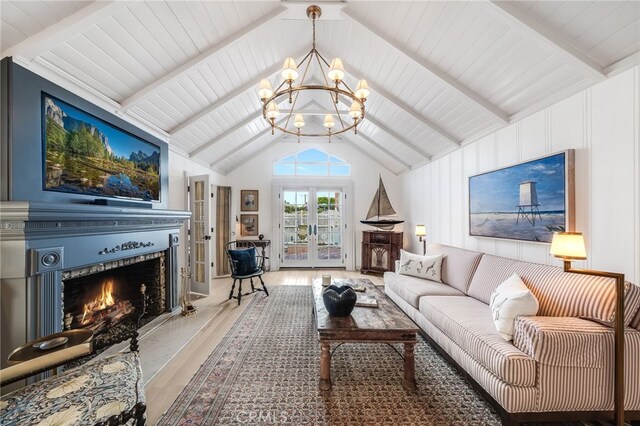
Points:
point(202, 58)
point(255, 138)
point(392, 133)
point(268, 74)
point(531, 28)
point(433, 71)
point(246, 120)
point(64, 29)
point(377, 88)
point(381, 148)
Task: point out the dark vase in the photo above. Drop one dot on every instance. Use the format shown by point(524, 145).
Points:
point(339, 301)
point(261, 237)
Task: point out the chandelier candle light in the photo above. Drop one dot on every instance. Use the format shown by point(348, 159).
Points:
point(334, 87)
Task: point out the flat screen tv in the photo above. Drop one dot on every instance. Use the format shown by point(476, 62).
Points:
point(84, 154)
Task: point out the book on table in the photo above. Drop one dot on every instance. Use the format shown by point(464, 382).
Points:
point(366, 301)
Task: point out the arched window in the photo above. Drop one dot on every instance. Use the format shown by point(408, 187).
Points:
point(311, 162)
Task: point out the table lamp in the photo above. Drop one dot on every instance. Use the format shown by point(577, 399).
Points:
point(569, 246)
point(421, 233)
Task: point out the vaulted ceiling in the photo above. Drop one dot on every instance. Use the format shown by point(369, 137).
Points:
point(442, 73)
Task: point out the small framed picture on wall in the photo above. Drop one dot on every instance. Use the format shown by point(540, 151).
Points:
point(249, 200)
point(248, 225)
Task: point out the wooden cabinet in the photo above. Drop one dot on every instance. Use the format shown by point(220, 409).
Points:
point(380, 250)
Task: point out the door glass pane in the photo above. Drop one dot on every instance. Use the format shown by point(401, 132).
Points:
point(295, 235)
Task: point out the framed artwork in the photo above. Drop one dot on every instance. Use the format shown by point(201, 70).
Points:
point(527, 201)
point(248, 225)
point(249, 200)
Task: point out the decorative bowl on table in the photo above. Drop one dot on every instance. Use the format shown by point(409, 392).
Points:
point(339, 301)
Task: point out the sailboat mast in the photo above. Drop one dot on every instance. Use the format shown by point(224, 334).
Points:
point(379, 192)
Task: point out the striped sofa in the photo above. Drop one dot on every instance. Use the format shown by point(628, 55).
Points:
point(560, 363)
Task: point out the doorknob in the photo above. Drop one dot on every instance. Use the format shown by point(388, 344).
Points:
point(207, 237)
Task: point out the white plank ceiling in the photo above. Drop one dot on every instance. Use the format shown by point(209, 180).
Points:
point(441, 73)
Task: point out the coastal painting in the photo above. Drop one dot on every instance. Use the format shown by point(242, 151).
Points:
point(528, 201)
point(86, 155)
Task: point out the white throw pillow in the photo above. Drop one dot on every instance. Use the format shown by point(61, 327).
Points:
point(427, 267)
point(511, 299)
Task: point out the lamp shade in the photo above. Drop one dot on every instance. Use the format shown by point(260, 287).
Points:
point(328, 121)
point(421, 231)
point(298, 121)
point(336, 70)
point(272, 110)
point(568, 246)
point(289, 69)
point(362, 89)
point(355, 110)
point(265, 91)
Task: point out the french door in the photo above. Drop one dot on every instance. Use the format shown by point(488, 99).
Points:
point(312, 227)
point(200, 233)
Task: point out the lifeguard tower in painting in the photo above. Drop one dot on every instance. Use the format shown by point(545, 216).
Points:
point(529, 206)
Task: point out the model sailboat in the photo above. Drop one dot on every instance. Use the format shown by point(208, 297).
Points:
point(382, 210)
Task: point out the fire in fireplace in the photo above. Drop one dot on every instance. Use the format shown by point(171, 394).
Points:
point(110, 298)
point(104, 310)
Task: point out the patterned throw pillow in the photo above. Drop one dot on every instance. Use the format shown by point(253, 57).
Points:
point(427, 267)
point(511, 299)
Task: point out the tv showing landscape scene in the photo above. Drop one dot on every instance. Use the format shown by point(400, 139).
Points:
point(86, 155)
point(528, 201)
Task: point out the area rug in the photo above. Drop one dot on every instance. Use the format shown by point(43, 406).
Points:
point(265, 371)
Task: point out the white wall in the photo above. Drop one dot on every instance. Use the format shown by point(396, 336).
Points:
point(258, 174)
point(601, 124)
point(178, 165)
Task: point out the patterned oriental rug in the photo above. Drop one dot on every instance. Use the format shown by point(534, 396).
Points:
point(265, 372)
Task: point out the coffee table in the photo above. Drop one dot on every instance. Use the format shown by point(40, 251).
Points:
point(384, 324)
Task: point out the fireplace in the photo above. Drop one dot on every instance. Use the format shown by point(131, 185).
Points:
point(57, 258)
point(114, 298)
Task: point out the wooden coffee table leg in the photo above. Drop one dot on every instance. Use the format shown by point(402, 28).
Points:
point(409, 367)
point(325, 366)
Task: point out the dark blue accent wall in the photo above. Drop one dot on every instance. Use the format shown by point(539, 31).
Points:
point(21, 151)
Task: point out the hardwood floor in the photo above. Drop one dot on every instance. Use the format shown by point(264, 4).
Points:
point(172, 377)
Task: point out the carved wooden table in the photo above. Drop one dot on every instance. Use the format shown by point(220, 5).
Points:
point(384, 324)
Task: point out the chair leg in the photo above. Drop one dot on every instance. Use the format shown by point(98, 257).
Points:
point(253, 290)
point(232, 287)
point(264, 287)
point(239, 291)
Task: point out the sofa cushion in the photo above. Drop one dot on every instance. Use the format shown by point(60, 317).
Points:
point(411, 289)
point(559, 294)
point(425, 267)
point(562, 341)
point(468, 322)
point(458, 265)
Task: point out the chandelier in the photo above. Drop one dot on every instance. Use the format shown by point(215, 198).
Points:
point(334, 87)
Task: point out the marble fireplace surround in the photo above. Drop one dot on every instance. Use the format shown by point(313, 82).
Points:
point(38, 241)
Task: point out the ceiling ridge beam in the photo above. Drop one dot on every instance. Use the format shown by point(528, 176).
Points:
point(53, 35)
point(528, 26)
point(245, 144)
point(406, 108)
point(246, 120)
point(201, 58)
point(227, 98)
point(392, 133)
point(439, 75)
